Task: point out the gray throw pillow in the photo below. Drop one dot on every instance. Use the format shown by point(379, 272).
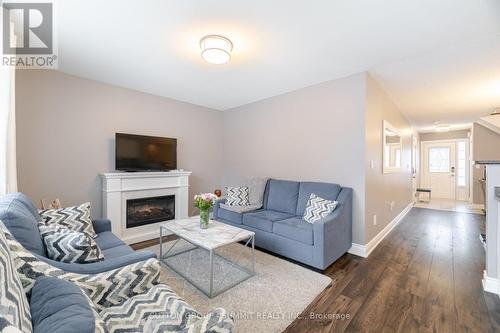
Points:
point(240, 209)
point(257, 187)
point(69, 246)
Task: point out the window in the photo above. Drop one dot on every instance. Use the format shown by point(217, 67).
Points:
point(398, 158)
point(439, 159)
point(462, 169)
point(387, 151)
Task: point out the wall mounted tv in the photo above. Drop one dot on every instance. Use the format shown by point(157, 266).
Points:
point(145, 153)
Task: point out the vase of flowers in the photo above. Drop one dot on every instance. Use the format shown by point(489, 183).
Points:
point(204, 202)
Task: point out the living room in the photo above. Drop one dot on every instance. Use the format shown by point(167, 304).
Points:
point(288, 149)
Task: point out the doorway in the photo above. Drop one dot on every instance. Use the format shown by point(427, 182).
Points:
point(445, 170)
point(439, 169)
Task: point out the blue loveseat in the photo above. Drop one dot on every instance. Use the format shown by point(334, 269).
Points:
point(37, 297)
point(21, 217)
point(279, 226)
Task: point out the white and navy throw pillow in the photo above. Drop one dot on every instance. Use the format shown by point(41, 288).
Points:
point(69, 246)
point(237, 196)
point(7, 327)
point(317, 208)
point(76, 218)
point(15, 315)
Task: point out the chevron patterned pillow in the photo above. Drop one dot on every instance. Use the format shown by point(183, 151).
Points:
point(76, 218)
point(15, 315)
point(69, 246)
point(317, 208)
point(7, 327)
point(237, 196)
point(161, 310)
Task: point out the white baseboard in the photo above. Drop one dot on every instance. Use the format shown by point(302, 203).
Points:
point(358, 250)
point(491, 285)
point(365, 250)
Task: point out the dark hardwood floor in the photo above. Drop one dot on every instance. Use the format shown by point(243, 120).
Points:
point(425, 276)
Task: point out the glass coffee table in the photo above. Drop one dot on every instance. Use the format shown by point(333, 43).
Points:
point(198, 254)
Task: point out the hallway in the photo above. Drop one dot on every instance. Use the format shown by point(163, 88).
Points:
point(449, 205)
point(425, 276)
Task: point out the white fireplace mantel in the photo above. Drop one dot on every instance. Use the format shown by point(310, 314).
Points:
point(118, 187)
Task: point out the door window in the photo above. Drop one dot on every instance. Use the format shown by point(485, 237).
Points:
point(439, 159)
point(461, 170)
point(398, 158)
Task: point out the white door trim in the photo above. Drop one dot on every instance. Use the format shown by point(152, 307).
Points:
point(469, 166)
point(467, 193)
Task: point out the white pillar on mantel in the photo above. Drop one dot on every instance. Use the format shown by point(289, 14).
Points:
point(118, 187)
point(491, 279)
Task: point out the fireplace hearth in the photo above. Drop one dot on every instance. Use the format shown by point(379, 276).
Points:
point(145, 211)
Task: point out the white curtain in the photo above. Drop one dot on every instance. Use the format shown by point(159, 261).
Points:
point(8, 173)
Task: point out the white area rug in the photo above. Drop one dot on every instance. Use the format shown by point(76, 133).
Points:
point(267, 302)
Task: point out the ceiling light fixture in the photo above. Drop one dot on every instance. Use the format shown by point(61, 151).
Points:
point(216, 49)
point(442, 128)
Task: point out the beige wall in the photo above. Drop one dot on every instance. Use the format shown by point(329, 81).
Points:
point(315, 133)
point(485, 146)
point(382, 189)
point(66, 127)
point(451, 135)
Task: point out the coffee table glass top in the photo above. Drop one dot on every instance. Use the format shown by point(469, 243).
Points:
point(216, 235)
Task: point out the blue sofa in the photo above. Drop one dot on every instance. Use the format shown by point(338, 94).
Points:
point(21, 217)
point(279, 226)
point(36, 297)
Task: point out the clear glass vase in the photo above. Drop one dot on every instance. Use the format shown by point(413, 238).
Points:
point(204, 218)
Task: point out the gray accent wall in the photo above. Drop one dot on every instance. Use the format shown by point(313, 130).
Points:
point(315, 133)
point(486, 143)
point(328, 132)
point(384, 191)
point(485, 146)
point(66, 127)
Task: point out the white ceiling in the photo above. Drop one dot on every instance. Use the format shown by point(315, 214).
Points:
point(454, 84)
point(439, 60)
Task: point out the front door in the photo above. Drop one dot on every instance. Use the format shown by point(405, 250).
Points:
point(438, 169)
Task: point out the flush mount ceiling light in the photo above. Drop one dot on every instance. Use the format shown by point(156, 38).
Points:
point(216, 49)
point(442, 128)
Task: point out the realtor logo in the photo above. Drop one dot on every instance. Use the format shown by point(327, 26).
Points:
point(28, 35)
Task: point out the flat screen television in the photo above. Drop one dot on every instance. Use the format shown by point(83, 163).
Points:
point(145, 153)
